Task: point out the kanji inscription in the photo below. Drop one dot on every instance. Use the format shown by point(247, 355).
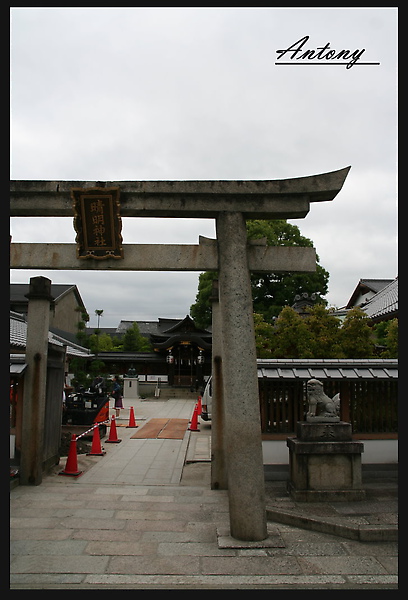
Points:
point(97, 222)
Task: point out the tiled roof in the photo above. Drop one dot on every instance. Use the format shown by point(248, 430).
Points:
point(367, 285)
point(375, 284)
point(384, 303)
point(314, 368)
point(18, 331)
point(18, 337)
point(18, 292)
point(159, 327)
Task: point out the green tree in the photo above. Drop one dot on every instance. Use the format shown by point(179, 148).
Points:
point(381, 330)
point(117, 344)
point(96, 368)
point(391, 339)
point(355, 335)
point(78, 366)
point(324, 329)
point(292, 338)
point(81, 325)
point(201, 311)
point(97, 332)
point(133, 341)
point(263, 337)
point(386, 333)
point(271, 291)
point(100, 342)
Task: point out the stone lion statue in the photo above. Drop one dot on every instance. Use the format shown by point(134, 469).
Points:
point(321, 407)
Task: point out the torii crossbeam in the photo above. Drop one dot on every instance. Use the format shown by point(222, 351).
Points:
point(271, 199)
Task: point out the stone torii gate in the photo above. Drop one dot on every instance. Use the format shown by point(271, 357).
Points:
point(230, 203)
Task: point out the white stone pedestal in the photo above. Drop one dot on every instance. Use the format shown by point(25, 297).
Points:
point(325, 463)
point(131, 388)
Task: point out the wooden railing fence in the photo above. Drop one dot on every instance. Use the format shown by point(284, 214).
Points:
point(371, 406)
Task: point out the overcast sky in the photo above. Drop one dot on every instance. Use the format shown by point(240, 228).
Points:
point(106, 94)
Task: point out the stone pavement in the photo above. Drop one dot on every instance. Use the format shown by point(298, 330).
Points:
point(144, 517)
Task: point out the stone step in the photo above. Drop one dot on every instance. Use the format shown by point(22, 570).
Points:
point(176, 392)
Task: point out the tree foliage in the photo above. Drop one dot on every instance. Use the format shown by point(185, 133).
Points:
point(78, 366)
point(387, 337)
point(133, 341)
point(292, 338)
point(356, 336)
point(324, 329)
point(81, 334)
point(201, 310)
point(391, 340)
point(263, 337)
point(270, 291)
point(100, 342)
point(322, 335)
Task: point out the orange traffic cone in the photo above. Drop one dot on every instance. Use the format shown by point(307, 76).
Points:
point(71, 467)
point(113, 436)
point(96, 449)
point(199, 406)
point(194, 420)
point(132, 421)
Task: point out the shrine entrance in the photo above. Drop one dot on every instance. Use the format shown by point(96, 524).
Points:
point(188, 351)
point(97, 210)
point(185, 372)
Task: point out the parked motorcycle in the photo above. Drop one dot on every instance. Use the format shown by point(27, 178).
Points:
point(86, 407)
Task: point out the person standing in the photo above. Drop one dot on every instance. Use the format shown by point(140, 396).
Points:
point(117, 395)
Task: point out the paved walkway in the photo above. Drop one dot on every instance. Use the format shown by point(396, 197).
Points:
point(144, 517)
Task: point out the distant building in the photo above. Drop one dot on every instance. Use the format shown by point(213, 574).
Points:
point(303, 302)
point(366, 289)
point(378, 298)
point(68, 305)
point(181, 352)
point(383, 305)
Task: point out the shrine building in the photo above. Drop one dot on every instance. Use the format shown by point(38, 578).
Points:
point(180, 356)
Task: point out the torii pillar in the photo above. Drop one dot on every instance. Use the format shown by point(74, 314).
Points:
point(230, 203)
point(38, 318)
point(243, 444)
point(218, 458)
